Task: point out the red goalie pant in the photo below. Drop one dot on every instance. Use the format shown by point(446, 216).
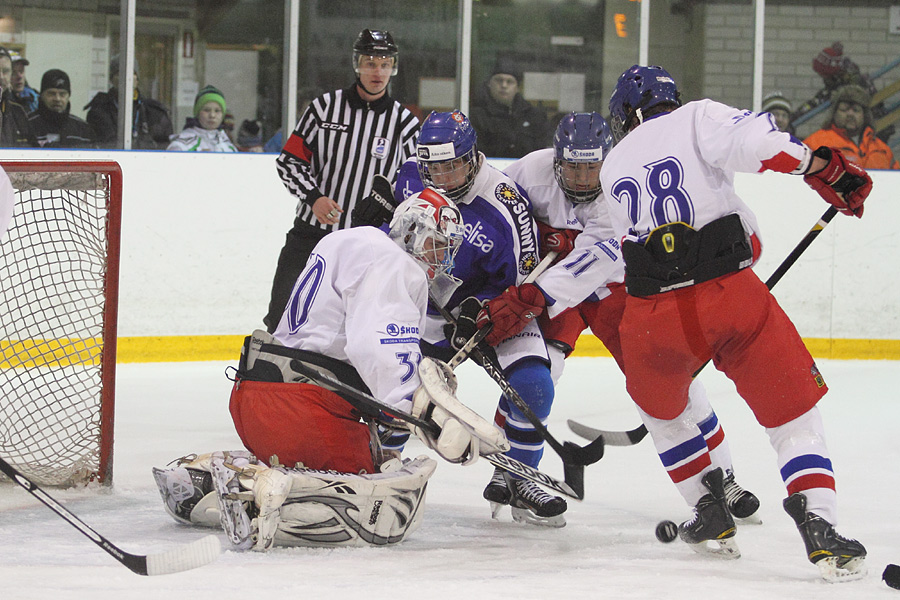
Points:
point(602, 317)
point(300, 422)
point(733, 320)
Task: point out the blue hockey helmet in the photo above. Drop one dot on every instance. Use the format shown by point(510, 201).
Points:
point(447, 154)
point(581, 142)
point(638, 90)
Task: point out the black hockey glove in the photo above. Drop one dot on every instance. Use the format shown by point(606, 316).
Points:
point(472, 317)
point(377, 208)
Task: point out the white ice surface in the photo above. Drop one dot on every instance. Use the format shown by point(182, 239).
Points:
point(607, 550)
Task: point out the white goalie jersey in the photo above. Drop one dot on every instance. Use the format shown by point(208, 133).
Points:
point(361, 299)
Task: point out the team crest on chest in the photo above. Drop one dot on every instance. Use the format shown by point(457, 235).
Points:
point(380, 148)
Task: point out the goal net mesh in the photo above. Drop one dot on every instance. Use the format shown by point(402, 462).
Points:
point(53, 268)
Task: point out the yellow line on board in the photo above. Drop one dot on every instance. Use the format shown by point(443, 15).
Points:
point(195, 348)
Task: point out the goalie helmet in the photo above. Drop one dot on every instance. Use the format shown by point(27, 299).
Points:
point(374, 42)
point(429, 227)
point(581, 142)
point(638, 90)
point(447, 153)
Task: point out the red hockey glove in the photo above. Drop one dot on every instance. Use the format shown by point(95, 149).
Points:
point(512, 310)
point(841, 183)
point(561, 241)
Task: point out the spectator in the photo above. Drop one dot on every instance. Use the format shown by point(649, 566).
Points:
point(850, 130)
point(203, 132)
point(249, 138)
point(52, 123)
point(22, 93)
point(780, 108)
point(14, 128)
point(507, 125)
point(837, 70)
point(151, 128)
point(344, 139)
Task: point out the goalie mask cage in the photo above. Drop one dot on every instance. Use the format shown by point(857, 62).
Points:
point(59, 271)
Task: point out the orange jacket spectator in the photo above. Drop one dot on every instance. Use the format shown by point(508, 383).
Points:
point(870, 153)
point(850, 130)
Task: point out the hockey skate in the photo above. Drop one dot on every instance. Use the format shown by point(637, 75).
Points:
point(711, 521)
point(235, 501)
point(838, 558)
point(528, 501)
point(741, 503)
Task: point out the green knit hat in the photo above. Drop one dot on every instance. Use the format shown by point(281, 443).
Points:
point(208, 94)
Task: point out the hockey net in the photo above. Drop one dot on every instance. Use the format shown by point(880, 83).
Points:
point(58, 295)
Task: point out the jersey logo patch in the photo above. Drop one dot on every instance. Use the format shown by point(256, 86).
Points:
point(817, 377)
point(527, 262)
point(335, 127)
point(507, 194)
point(380, 148)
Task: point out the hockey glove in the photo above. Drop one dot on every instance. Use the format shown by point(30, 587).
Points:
point(841, 183)
point(472, 317)
point(463, 434)
point(561, 241)
point(377, 208)
point(512, 310)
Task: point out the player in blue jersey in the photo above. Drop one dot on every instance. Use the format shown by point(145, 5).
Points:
point(499, 252)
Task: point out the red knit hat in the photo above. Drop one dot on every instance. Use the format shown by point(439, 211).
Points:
point(830, 61)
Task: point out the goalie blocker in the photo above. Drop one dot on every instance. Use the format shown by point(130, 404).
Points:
point(260, 507)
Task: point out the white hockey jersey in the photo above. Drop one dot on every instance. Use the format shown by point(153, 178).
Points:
point(361, 299)
point(680, 166)
point(595, 261)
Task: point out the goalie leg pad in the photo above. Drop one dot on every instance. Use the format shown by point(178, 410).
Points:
point(326, 508)
point(187, 490)
point(464, 434)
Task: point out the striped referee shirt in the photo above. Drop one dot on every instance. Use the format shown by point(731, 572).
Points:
point(339, 145)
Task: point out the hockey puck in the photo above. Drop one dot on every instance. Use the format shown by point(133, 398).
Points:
point(667, 531)
point(891, 576)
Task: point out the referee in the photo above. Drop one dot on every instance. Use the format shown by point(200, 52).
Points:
point(344, 138)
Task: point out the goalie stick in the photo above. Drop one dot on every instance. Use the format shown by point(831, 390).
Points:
point(571, 488)
point(629, 438)
point(181, 558)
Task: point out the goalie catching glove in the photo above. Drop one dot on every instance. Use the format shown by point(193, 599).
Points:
point(377, 208)
point(841, 183)
point(463, 435)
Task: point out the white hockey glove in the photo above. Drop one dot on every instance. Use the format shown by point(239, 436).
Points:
point(464, 435)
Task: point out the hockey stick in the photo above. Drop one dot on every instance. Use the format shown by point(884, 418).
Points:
point(629, 438)
point(574, 457)
point(181, 558)
point(572, 489)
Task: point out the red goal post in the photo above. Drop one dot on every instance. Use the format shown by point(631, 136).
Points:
point(59, 277)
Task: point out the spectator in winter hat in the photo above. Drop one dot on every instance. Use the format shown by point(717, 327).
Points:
point(22, 93)
point(14, 128)
point(850, 130)
point(51, 123)
point(507, 125)
point(780, 108)
point(203, 132)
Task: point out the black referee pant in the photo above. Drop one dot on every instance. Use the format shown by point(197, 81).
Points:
point(298, 245)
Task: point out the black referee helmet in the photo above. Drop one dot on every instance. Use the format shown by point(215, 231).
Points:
point(374, 42)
